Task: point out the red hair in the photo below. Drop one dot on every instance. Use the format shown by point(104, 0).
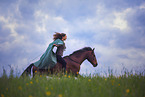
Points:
point(58, 35)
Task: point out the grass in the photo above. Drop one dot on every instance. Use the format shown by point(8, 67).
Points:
point(127, 85)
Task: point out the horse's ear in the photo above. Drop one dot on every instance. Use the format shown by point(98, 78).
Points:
point(93, 50)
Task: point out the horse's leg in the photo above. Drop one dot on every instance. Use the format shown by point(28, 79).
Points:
point(27, 70)
point(56, 69)
point(34, 70)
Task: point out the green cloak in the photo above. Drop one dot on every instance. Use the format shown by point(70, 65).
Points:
point(48, 59)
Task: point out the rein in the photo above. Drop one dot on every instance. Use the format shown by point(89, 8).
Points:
point(73, 60)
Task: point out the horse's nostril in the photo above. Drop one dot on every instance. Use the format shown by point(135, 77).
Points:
point(95, 65)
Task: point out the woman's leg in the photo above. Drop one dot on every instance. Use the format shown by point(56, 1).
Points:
point(62, 61)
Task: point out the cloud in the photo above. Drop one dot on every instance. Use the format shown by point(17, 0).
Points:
point(114, 28)
point(120, 22)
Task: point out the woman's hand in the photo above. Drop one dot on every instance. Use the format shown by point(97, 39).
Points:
point(55, 45)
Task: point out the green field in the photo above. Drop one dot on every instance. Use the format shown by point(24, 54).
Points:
point(69, 86)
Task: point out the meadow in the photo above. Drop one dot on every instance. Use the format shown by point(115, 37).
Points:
point(127, 85)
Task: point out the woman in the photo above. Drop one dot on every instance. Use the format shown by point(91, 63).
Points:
point(49, 59)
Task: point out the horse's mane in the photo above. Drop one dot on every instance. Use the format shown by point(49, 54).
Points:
point(82, 50)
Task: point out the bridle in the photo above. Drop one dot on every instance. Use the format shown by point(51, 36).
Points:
point(73, 60)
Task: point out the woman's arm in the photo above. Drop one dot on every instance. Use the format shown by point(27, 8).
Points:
point(56, 45)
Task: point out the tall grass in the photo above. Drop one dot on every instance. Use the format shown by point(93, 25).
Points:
point(127, 85)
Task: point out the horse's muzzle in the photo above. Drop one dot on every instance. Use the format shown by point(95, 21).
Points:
point(95, 65)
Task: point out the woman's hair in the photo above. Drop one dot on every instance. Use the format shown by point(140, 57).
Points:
point(58, 35)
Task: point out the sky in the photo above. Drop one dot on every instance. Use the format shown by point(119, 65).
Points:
point(115, 28)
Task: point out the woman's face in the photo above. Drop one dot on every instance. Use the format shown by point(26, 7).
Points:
point(64, 38)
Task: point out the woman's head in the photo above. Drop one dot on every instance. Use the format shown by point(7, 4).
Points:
point(61, 36)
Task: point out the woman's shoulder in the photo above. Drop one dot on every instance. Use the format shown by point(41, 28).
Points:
point(58, 41)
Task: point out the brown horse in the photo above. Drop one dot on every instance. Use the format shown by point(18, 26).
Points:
point(73, 61)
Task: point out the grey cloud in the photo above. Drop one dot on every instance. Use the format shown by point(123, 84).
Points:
point(136, 19)
point(123, 56)
point(120, 5)
point(135, 37)
point(72, 15)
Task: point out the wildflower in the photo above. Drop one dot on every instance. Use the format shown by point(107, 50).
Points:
point(2, 95)
point(30, 96)
point(6, 89)
point(105, 79)
point(112, 82)
point(77, 72)
point(48, 93)
point(27, 84)
point(51, 88)
point(60, 95)
point(31, 82)
point(46, 88)
point(35, 71)
point(127, 90)
point(20, 88)
point(118, 84)
point(68, 76)
point(36, 80)
point(65, 75)
point(89, 80)
point(40, 75)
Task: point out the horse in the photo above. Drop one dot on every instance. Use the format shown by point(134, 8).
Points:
point(73, 61)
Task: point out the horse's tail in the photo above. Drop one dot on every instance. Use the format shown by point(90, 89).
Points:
point(27, 70)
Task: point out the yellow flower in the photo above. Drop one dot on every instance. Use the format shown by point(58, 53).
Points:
point(2, 95)
point(105, 79)
point(40, 75)
point(6, 89)
point(48, 93)
point(112, 82)
point(31, 82)
point(65, 75)
point(60, 95)
point(36, 80)
point(30, 96)
point(51, 88)
point(127, 90)
point(46, 88)
point(36, 71)
point(27, 84)
point(118, 84)
point(89, 80)
point(77, 72)
point(68, 76)
point(20, 88)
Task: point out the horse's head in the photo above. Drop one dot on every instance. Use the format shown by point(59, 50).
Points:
point(92, 58)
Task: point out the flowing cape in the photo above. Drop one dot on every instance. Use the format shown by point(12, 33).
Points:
point(48, 59)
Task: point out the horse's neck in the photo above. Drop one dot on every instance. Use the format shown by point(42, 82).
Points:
point(79, 58)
